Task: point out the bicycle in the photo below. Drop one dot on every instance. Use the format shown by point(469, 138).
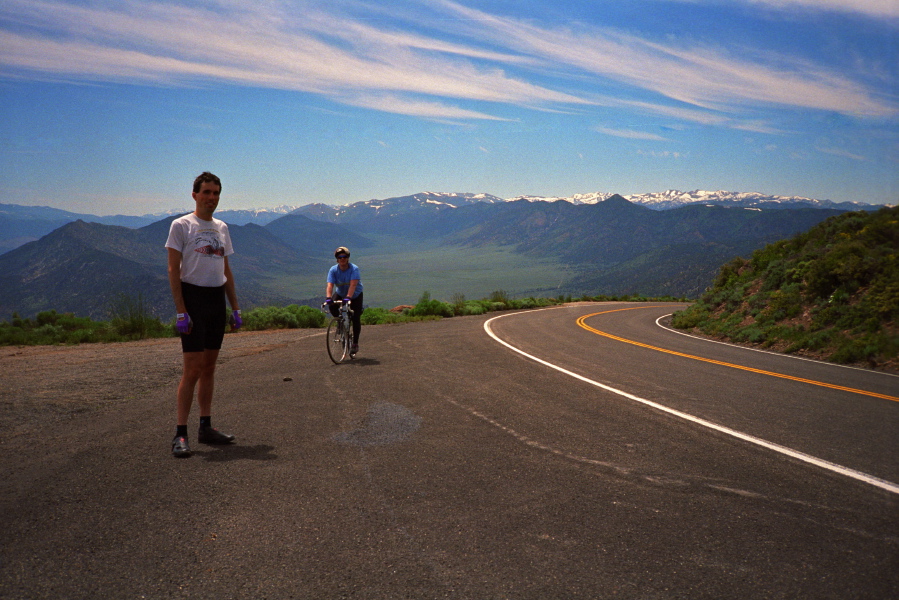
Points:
point(339, 337)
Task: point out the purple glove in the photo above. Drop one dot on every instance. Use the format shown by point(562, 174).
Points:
point(328, 301)
point(183, 323)
point(236, 321)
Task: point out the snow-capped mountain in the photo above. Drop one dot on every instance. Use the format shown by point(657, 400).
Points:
point(259, 216)
point(576, 199)
point(448, 200)
point(675, 199)
point(391, 207)
point(436, 200)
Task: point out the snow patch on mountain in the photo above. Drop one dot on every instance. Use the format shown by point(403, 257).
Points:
point(675, 199)
point(666, 200)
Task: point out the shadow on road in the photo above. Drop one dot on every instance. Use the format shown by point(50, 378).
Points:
point(362, 362)
point(235, 452)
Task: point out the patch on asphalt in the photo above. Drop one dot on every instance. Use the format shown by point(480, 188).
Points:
point(385, 423)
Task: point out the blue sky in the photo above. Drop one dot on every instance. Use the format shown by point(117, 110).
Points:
point(113, 107)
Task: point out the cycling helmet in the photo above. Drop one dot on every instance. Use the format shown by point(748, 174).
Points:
point(342, 250)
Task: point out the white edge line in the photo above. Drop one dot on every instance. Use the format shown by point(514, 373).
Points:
point(858, 475)
point(781, 354)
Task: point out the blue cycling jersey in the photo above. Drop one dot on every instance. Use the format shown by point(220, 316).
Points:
point(342, 279)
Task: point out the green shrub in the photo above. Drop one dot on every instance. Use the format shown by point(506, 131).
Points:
point(499, 297)
point(50, 327)
point(380, 316)
point(12, 335)
point(284, 317)
point(458, 303)
point(752, 334)
point(472, 308)
point(130, 318)
point(692, 317)
point(427, 306)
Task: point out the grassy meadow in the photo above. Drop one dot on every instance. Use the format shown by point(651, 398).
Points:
point(396, 272)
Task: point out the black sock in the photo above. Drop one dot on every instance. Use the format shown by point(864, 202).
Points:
point(205, 422)
point(181, 431)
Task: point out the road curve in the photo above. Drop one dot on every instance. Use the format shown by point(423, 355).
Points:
point(443, 464)
point(839, 418)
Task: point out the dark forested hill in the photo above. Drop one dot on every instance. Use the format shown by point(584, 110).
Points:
point(316, 238)
point(617, 247)
point(83, 268)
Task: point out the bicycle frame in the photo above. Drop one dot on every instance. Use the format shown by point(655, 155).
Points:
point(339, 336)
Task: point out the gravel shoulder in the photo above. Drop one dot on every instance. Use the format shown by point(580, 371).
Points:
point(44, 384)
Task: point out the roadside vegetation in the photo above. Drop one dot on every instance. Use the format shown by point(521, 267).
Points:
point(831, 293)
point(129, 320)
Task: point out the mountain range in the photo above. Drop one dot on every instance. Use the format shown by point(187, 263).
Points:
point(21, 224)
point(447, 244)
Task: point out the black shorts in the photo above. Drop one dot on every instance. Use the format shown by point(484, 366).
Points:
point(207, 310)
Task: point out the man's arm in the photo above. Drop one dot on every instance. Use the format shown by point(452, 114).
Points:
point(230, 290)
point(175, 279)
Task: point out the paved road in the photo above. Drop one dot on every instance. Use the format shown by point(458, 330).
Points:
point(444, 464)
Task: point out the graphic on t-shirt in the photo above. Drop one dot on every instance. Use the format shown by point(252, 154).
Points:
point(212, 247)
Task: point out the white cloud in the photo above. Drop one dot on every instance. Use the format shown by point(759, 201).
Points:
point(702, 76)
point(841, 153)
point(870, 8)
point(660, 154)
point(630, 134)
point(876, 9)
point(385, 64)
point(405, 106)
point(176, 45)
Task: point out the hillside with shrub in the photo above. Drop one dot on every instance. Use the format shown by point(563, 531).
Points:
point(831, 293)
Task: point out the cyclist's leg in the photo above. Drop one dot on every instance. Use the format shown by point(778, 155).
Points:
point(356, 305)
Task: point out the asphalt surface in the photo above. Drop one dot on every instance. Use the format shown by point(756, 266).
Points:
point(443, 464)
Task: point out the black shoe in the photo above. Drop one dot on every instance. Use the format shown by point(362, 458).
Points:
point(354, 349)
point(180, 449)
point(211, 435)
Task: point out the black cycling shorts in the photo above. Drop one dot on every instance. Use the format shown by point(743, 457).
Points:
point(207, 310)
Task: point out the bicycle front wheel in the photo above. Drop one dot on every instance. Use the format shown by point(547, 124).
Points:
point(336, 339)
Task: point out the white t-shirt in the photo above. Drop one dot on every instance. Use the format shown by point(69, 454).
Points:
point(203, 246)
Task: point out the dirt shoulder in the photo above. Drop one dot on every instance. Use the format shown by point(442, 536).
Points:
point(42, 384)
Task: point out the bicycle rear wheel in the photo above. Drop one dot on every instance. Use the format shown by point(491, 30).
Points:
point(336, 339)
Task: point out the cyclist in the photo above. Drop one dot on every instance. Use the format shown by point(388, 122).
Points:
point(344, 282)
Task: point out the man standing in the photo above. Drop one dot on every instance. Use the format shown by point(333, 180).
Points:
point(200, 277)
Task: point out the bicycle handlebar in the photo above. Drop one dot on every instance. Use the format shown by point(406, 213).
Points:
point(344, 308)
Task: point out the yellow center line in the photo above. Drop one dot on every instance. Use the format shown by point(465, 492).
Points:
point(581, 322)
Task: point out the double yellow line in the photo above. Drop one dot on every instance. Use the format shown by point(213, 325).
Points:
point(581, 322)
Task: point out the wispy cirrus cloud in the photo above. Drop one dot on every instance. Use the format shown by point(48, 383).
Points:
point(699, 75)
point(381, 61)
point(841, 152)
point(870, 8)
point(629, 134)
point(257, 46)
